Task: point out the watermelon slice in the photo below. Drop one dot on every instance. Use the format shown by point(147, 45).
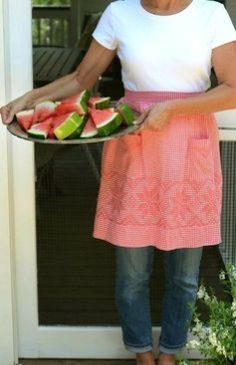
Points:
point(126, 113)
point(77, 103)
point(78, 131)
point(56, 121)
point(68, 126)
point(106, 120)
point(43, 110)
point(89, 130)
point(40, 130)
point(98, 102)
point(25, 118)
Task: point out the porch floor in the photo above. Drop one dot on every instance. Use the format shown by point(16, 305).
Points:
point(86, 362)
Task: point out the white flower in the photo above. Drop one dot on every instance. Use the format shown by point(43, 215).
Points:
point(212, 338)
point(233, 308)
point(201, 292)
point(193, 344)
point(222, 275)
point(225, 333)
point(232, 272)
point(231, 356)
point(206, 296)
point(198, 327)
point(221, 350)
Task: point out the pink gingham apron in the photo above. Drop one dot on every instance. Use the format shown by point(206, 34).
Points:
point(162, 188)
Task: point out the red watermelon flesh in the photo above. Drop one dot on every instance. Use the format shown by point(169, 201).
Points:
point(89, 130)
point(76, 103)
point(69, 107)
point(25, 118)
point(106, 120)
point(84, 95)
point(56, 121)
point(40, 130)
point(43, 110)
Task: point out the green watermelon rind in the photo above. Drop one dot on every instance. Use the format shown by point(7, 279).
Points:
point(102, 103)
point(83, 100)
point(85, 95)
point(90, 134)
point(110, 125)
point(79, 130)
point(83, 107)
point(37, 134)
point(40, 130)
point(68, 127)
point(127, 113)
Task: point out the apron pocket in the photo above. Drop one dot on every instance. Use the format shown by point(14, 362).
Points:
point(199, 164)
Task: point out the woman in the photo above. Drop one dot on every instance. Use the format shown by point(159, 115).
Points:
point(161, 186)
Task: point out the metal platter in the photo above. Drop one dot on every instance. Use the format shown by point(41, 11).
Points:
point(16, 130)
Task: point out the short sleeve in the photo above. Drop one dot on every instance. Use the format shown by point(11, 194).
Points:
point(104, 31)
point(222, 28)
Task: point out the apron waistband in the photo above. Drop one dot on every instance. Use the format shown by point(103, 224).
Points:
point(152, 96)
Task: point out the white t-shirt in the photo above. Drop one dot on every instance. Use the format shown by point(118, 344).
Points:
point(165, 53)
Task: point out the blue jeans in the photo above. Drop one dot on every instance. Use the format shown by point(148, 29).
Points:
point(133, 270)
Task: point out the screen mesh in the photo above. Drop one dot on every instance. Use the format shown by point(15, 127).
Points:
point(76, 273)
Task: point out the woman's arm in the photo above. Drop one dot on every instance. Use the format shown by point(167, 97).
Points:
point(220, 98)
point(95, 62)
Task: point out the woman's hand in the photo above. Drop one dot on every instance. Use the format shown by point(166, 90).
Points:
point(156, 117)
point(8, 111)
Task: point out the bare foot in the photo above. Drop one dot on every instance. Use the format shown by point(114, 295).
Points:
point(145, 358)
point(166, 359)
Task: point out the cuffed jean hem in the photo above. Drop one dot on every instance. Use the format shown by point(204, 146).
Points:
point(169, 351)
point(138, 349)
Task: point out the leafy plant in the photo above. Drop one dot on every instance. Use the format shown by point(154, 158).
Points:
point(216, 338)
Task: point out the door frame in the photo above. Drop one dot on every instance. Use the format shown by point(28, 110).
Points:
point(8, 330)
point(21, 335)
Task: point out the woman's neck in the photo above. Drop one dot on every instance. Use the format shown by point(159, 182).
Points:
point(165, 6)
